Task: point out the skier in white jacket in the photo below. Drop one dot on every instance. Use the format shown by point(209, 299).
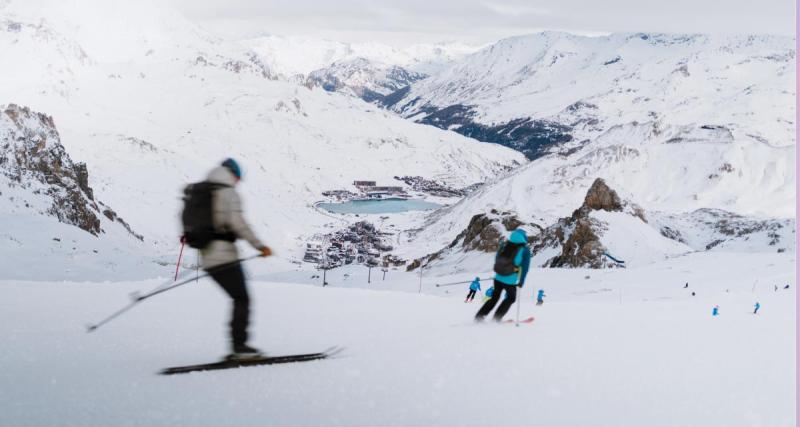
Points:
point(220, 256)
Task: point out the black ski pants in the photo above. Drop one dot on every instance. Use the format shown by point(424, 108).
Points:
point(471, 294)
point(499, 287)
point(231, 279)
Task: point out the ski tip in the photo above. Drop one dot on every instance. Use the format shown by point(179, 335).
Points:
point(90, 328)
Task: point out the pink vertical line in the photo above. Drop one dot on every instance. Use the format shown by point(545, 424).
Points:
point(797, 207)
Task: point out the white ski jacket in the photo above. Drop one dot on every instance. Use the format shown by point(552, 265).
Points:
point(228, 217)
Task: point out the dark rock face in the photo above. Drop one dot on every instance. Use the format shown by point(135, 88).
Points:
point(32, 157)
point(532, 137)
point(578, 236)
point(601, 197)
point(582, 248)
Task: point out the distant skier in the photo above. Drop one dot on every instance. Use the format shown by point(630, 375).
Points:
point(686, 285)
point(474, 287)
point(512, 261)
point(219, 254)
point(786, 287)
point(776, 288)
point(693, 294)
point(715, 311)
point(757, 306)
point(488, 293)
point(540, 297)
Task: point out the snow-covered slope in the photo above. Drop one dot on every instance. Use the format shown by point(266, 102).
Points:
point(161, 112)
point(625, 348)
point(292, 55)
point(362, 78)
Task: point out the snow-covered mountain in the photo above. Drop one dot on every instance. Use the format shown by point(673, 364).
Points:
point(678, 123)
point(173, 101)
point(533, 92)
point(362, 78)
point(293, 55)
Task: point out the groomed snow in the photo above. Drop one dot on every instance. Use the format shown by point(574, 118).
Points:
point(623, 348)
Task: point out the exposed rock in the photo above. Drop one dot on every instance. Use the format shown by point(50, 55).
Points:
point(582, 248)
point(578, 236)
point(32, 157)
point(601, 197)
point(484, 233)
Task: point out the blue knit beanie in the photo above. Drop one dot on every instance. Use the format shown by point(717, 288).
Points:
point(233, 167)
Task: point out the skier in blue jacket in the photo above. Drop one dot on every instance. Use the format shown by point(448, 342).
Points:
point(757, 306)
point(540, 297)
point(474, 287)
point(515, 257)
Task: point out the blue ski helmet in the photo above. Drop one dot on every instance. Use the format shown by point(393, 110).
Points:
point(233, 167)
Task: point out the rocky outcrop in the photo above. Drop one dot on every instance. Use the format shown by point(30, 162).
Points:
point(578, 236)
point(33, 158)
point(484, 233)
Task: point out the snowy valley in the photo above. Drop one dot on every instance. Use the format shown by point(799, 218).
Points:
point(295, 143)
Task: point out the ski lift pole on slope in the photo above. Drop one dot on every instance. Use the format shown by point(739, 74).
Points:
point(136, 298)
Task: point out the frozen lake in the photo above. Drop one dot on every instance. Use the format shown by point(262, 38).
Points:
point(378, 206)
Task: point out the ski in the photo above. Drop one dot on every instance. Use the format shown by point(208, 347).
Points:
point(265, 360)
point(528, 320)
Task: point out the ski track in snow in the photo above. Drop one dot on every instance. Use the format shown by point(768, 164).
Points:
point(623, 348)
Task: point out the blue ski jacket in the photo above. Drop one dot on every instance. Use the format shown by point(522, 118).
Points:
point(522, 260)
point(489, 292)
point(475, 285)
point(540, 295)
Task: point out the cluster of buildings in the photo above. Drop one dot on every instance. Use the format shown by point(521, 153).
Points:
point(367, 190)
point(361, 243)
point(371, 190)
point(422, 185)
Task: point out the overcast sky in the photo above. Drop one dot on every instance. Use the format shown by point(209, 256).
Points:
point(480, 21)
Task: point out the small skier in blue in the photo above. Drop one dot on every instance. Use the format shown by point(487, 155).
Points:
point(474, 287)
point(540, 297)
point(715, 311)
point(757, 306)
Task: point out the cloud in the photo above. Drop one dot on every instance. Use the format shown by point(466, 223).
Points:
point(480, 21)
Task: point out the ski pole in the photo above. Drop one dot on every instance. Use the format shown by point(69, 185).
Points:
point(136, 299)
point(461, 283)
point(180, 256)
